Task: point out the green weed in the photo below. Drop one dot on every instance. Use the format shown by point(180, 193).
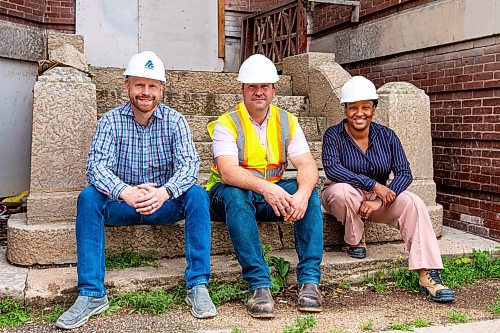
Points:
point(456, 272)
point(377, 281)
point(236, 330)
point(279, 269)
point(401, 327)
point(224, 292)
point(367, 325)
point(302, 325)
point(12, 313)
point(337, 331)
point(155, 302)
point(494, 306)
point(53, 315)
point(419, 322)
point(345, 284)
point(458, 317)
point(129, 258)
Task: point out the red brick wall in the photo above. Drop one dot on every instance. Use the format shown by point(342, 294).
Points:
point(327, 18)
point(463, 83)
point(42, 13)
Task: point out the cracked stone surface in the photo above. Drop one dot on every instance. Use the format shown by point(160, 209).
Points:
point(12, 278)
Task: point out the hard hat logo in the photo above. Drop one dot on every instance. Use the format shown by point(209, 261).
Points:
point(149, 65)
point(146, 64)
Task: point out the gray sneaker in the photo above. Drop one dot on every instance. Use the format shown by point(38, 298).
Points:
point(80, 312)
point(200, 302)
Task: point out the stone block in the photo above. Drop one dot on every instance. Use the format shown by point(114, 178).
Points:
point(406, 109)
point(44, 244)
point(22, 42)
point(56, 39)
point(64, 118)
point(12, 279)
point(326, 81)
point(299, 67)
point(69, 55)
point(207, 104)
point(215, 83)
point(50, 207)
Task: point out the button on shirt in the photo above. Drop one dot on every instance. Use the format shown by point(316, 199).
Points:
point(124, 152)
point(344, 162)
point(224, 143)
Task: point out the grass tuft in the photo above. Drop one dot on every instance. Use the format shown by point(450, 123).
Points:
point(302, 325)
point(494, 306)
point(53, 315)
point(12, 314)
point(367, 325)
point(155, 302)
point(458, 317)
point(419, 322)
point(401, 327)
point(129, 258)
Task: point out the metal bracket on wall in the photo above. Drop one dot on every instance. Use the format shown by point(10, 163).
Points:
point(355, 6)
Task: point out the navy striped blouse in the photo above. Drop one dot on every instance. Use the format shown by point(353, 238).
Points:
point(344, 162)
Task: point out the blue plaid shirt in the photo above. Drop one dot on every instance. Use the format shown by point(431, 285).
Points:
point(344, 162)
point(124, 152)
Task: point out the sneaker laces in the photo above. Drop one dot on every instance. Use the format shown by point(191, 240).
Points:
point(434, 276)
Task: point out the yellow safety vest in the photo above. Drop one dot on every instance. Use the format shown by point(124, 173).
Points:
point(252, 156)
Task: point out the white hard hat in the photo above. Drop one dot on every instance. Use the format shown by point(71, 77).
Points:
point(258, 69)
point(358, 88)
point(146, 64)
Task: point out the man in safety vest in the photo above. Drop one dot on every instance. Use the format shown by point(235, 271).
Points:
point(251, 144)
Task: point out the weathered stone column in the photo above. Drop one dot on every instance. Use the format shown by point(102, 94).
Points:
point(64, 120)
point(406, 109)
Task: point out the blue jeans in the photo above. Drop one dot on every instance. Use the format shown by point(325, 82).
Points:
point(241, 209)
point(95, 209)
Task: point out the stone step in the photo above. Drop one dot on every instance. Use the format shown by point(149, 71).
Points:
point(56, 284)
point(313, 127)
point(205, 151)
point(205, 104)
point(110, 93)
point(165, 241)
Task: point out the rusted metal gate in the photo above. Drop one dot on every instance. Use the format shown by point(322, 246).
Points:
point(277, 33)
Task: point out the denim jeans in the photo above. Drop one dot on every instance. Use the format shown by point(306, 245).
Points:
point(241, 209)
point(95, 209)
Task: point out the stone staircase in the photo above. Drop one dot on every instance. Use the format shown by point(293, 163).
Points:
point(309, 89)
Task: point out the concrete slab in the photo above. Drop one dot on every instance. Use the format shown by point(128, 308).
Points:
point(12, 278)
point(53, 284)
point(487, 326)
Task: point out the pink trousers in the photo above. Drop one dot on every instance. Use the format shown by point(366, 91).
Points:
point(407, 213)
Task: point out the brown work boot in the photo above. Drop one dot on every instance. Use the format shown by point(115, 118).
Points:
point(260, 303)
point(431, 285)
point(309, 298)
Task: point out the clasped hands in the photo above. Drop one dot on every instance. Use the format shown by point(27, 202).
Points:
point(291, 207)
point(385, 196)
point(145, 198)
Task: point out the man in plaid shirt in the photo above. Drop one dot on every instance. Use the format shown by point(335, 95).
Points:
point(142, 169)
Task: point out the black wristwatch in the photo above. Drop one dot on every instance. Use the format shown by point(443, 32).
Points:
point(169, 192)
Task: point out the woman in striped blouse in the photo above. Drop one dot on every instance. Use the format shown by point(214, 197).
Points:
point(358, 156)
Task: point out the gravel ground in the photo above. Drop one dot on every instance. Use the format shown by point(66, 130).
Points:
point(343, 310)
